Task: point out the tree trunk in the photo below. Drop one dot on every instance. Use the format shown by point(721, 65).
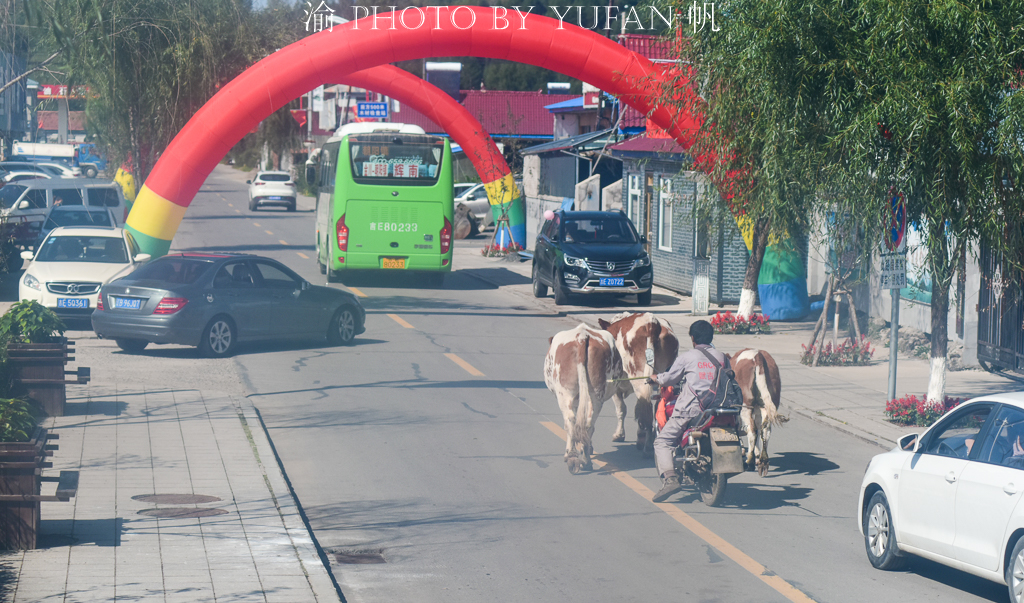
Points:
point(758, 246)
point(940, 340)
point(822, 321)
point(853, 317)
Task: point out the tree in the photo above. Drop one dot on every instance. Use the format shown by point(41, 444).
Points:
point(867, 96)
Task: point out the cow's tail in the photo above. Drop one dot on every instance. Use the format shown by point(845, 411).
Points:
point(585, 410)
point(771, 404)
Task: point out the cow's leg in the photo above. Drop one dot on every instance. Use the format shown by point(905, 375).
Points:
point(620, 416)
point(572, 459)
point(644, 412)
point(747, 421)
point(588, 447)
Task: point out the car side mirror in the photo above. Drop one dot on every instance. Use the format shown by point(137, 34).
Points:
point(27, 255)
point(248, 181)
point(142, 257)
point(643, 240)
point(310, 173)
point(471, 197)
point(908, 442)
point(23, 204)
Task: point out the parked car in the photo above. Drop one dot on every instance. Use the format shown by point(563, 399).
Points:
point(272, 188)
point(953, 494)
point(215, 301)
point(30, 166)
point(75, 215)
point(18, 176)
point(67, 270)
point(594, 253)
point(59, 170)
point(30, 200)
point(474, 196)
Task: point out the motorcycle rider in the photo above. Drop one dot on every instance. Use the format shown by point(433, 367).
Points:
point(698, 373)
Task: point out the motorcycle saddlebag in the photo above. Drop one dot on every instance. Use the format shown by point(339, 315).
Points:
point(726, 452)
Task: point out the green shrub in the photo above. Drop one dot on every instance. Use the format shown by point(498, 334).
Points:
point(18, 419)
point(30, 322)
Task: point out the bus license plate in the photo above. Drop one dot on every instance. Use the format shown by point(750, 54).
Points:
point(612, 282)
point(126, 303)
point(392, 263)
point(72, 302)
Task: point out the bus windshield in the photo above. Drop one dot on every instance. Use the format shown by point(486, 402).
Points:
point(395, 163)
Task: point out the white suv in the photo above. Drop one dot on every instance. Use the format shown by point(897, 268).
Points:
point(272, 188)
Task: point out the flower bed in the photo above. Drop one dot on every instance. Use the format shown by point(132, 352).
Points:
point(911, 410)
point(847, 353)
point(727, 322)
point(494, 251)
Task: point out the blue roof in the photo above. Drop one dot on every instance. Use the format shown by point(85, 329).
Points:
point(572, 103)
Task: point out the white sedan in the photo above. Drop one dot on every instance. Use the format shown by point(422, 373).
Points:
point(272, 188)
point(73, 262)
point(953, 494)
point(474, 197)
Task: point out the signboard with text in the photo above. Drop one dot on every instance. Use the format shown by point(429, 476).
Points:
point(372, 110)
point(894, 244)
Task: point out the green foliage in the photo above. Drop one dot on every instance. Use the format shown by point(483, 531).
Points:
point(28, 321)
point(18, 419)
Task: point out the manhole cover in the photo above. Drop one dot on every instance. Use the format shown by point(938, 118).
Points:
point(181, 513)
point(359, 557)
point(176, 499)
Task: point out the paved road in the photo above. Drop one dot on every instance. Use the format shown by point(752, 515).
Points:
point(434, 441)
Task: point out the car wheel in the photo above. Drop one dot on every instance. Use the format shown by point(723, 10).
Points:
point(1015, 572)
point(323, 269)
point(291, 207)
point(643, 299)
point(539, 288)
point(561, 295)
point(252, 205)
point(132, 346)
point(219, 337)
point(90, 172)
point(342, 330)
point(474, 226)
point(880, 535)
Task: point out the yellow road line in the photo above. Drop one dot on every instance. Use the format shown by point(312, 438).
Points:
point(359, 293)
point(282, 242)
point(256, 224)
point(238, 211)
point(399, 320)
point(467, 366)
point(229, 204)
point(302, 255)
point(268, 232)
point(745, 561)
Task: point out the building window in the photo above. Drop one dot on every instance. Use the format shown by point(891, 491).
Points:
point(633, 196)
point(665, 214)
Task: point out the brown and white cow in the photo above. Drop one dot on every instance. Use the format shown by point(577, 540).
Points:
point(579, 367)
point(758, 378)
point(633, 334)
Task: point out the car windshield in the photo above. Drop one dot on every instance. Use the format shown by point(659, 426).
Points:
point(77, 218)
point(173, 270)
point(275, 177)
point(85, 248)
point(598, 230)
point(9, 194)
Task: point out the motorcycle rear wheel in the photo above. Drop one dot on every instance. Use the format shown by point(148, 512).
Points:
point(712, 488)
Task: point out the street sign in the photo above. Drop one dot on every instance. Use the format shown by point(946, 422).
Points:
point(372, 110)
point(894, 250)
point(896, 229)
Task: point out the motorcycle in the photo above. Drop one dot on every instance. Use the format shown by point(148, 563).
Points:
point(710, 450)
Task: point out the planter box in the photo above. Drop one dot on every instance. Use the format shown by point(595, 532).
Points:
point(38, 372)
point(20, 467)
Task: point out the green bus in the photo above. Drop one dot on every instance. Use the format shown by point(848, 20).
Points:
point(385, 201)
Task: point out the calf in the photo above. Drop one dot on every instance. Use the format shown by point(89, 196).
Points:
point(758, 378)
point(634, 334)
point(578, 368)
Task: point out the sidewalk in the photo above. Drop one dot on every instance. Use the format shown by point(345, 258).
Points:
point(850, 399)
point(233, 533)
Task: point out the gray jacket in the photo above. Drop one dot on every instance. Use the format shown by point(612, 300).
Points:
point(695, 373)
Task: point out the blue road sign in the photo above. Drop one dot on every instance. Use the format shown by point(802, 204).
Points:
point(372, 110)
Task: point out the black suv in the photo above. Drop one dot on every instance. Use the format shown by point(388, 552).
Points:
point(591, 252)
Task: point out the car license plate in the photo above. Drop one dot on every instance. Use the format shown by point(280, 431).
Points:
point(274, 198)
point(126, 303)
point(72, 302)
point(392, 263)
point(612, 282)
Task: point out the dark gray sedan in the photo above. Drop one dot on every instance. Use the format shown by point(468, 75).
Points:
point(214, 301)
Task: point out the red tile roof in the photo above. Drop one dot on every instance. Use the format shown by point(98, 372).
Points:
point(501, 112)
point(48, 120)
point(654, 48)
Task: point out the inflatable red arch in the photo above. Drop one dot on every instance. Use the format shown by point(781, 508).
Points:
point(328, 56)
